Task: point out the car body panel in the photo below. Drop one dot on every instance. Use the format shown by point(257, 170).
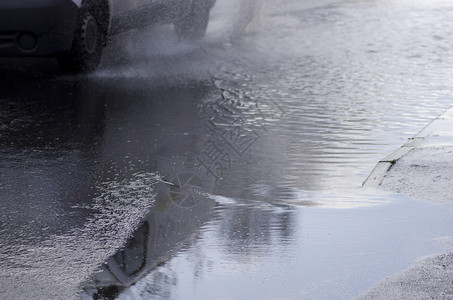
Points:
point(50, 22)
point(47, 27)
point(127, 15)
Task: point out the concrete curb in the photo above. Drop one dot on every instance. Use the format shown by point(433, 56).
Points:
point(438, 133)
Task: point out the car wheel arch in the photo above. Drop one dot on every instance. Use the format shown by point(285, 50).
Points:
point(101, 10)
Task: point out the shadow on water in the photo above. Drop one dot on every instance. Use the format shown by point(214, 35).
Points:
point(50, 133)
point(84, 161)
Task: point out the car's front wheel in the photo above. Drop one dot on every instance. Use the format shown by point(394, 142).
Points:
point(87, 45)
point(193, 26)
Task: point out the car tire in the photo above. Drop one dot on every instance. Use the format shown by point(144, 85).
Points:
point(193, 26)
point(87, 45)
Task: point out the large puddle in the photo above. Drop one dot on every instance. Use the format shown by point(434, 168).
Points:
point(227, 169)
point(261, 251)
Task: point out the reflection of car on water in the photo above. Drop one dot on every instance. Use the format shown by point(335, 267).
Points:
point(166, 229)
point(75, 31)
point(156, 132)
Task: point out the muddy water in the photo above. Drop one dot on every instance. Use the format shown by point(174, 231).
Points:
point(229, 169)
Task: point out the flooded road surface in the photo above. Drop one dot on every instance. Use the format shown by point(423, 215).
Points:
point(228, 169)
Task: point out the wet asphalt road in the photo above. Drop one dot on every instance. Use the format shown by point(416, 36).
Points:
point(223, 168)
point(80, 159)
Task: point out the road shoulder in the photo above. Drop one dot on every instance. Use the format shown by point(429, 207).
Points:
point(422, 169)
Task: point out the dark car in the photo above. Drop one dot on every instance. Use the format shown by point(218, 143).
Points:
point(75, 31)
